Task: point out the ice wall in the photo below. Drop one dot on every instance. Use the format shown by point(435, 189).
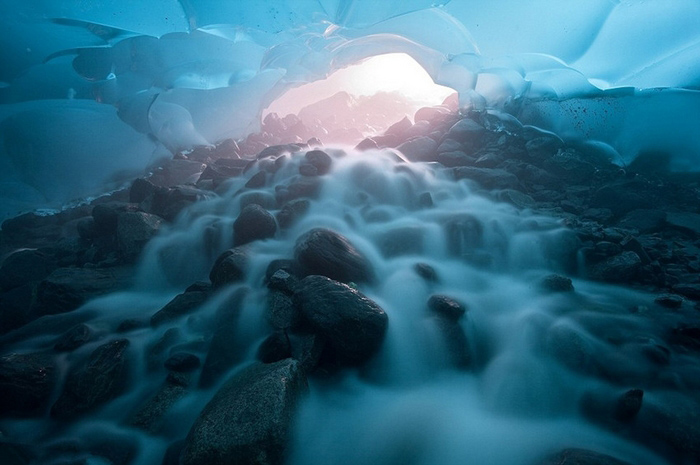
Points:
point(170, 74)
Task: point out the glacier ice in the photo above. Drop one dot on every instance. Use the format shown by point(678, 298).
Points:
point(174, 74)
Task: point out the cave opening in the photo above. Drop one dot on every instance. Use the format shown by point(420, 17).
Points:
point(360, 100)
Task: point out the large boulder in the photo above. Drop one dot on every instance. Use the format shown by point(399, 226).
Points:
point(100, 380)
point(327, 253)
point(254, 223)
point(230, 267)
point(68, 288)
point(134, 230)
point(248, 420)
point(419, 148)
point(182, 304)
point(618, 268)
point(26, 383)
point(353, 325)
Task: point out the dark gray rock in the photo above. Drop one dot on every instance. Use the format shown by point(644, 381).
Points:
point(182, 304)
point(282, 280)
point(581, 457)
point(257, 181)
point(570, 165)
point(541, 148)
point(16, 305)
point(688, 222)
point(556, 283)
point(327, 253)
point(182, 362)
point(446, 307)
point(307, 349)
point(689, 290)
point(399, 128)
point(489, 178)
point(26, 383)
point(353, 325)
point(248, 421)
point(134, 230)
point(106, 216)
point(275, 347)
point(426, 272)
point(149, 416)
point(73, 338)
point(454, 158)
point(466, 131)
point(100, 380)
point(230, 267)
point(319, 160)
point(419, 148)
point(628, 405)
point(670, 300)
point(66, 289)
point(643, 220)
point(291, 212)
point(25, 266)
point(140, 190)
point(620, 268)
point(281, 311)
point(254, 223)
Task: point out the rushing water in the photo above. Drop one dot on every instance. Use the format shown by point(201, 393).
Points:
point(519, 400)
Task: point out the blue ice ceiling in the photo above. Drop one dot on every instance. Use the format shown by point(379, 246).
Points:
point(92, 92)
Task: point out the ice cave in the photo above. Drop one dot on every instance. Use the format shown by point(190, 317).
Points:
point(350, 232)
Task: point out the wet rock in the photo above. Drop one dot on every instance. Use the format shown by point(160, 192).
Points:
point(149, 416)
point(571, 166)
point(182, 304)
point(689, 290)
point(248, 421)
point(263, 199)
point(581, 457)
point(622, 197)
point(446, 307)
point(254, 223)
point(320, 160)
point(489, 178)
point(169, 202)
point(16, 305)
point(419, 148)
point(101, 379)
point(26, 383)
point(454, 158)
point(106, 216)
point(182, 362)
point(257, 181)
point(353, 325)
point(619, 268)
point(325, 252)
point(86, 228)
point(368, 143)
point(516, 198)
point(25, 266)
point(156, 352)
point(230, 267)
point(134, 230)
point(282, 280)
point(73, 338)
point(467, 131)
point(291, 212)
point(307, 349)
point(140, 190)
point(684, 221)
point(274, 348)
point(570, 348)
point(628, 405)
point(670, 300)
point(426, 272)
point(66, 289)
point(643, 220)
point(541, 148)
point(399, 128)
point(281, 311)
point(556, 283)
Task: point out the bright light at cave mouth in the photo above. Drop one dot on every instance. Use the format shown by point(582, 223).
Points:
point(394, 72)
